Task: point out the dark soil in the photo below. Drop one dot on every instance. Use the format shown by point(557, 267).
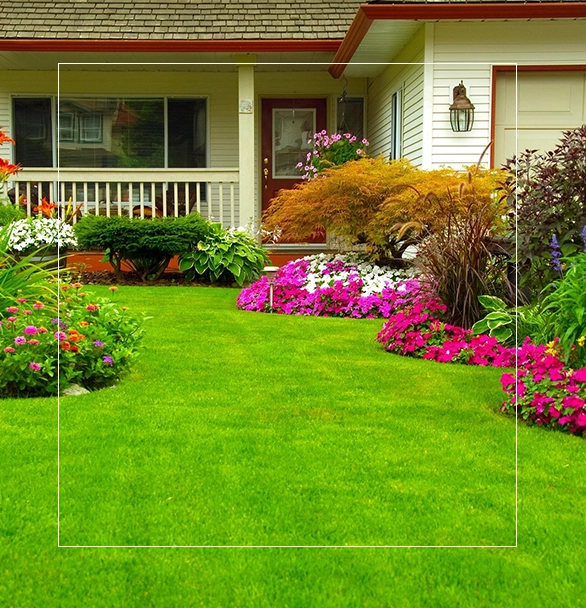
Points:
point(169, 279)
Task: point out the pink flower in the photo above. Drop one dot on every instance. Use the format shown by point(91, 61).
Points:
point(12, 309)
point(19, 340)
point(92, 307)
point(35, 366)
point(38, 305)
point(34, 342)
point(60, 335)
point(9, 349)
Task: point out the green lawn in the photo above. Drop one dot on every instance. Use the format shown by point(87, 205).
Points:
point(245, 429)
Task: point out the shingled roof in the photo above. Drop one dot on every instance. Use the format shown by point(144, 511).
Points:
point(176, 19)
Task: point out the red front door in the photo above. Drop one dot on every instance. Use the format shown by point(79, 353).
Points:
point(287, 125)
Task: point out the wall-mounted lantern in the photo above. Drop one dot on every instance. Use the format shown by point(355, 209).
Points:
point(462, 110)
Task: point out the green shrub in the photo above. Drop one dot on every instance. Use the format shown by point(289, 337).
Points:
point(10, 213)
point(225, 255)
point(86, 341)
point(146, 246)
point(563, 310)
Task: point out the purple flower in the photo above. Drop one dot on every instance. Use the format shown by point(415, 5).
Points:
point(583, 235)
point(35, 366)
point(556, 254)
point(19, 340)
point(108, 360)
point(98, 344)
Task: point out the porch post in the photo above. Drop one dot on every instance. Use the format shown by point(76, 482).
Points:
point(246, 138)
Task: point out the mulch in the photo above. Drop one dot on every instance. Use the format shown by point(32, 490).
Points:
point(169, 279)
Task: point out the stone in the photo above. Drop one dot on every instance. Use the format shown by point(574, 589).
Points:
point(74, 390)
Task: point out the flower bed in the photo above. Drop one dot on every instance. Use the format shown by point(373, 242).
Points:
point(416, 331)
point(86, 341)
point(545, 392)
point(541, 391)
point(332, 286)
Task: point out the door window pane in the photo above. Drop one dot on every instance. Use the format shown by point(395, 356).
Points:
point(187, 133)
point(292, 129)
point(32, 132)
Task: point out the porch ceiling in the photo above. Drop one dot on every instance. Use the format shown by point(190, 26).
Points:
point(192, 62)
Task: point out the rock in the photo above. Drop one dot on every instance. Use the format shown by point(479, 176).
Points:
point(74, 390)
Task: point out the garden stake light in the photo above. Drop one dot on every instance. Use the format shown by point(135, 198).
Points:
point(271, 272)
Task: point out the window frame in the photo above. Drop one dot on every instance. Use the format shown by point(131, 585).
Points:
point(55, 121)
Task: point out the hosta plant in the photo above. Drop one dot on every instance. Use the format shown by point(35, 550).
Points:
point(225, 256)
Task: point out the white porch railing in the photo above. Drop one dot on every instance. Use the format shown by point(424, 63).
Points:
point(140, 193)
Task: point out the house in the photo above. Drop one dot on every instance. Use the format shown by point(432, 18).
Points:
point(164, 107)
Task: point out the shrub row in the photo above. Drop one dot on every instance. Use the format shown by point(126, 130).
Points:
point(205, 250)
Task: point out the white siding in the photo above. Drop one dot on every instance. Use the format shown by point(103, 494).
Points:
point(220, 89)
point(482, 46)
point(406, 73)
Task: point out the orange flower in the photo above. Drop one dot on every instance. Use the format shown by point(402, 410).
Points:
point(76, 285)
point(83, 323)
point(74, 349)
point(4, 139)
point(65, 346)
point(7, 169)
point(46, 208)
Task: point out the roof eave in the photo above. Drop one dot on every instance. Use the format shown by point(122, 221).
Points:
point(435, 11)
point(169, 46)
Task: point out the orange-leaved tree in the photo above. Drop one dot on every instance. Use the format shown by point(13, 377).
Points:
point(387, 205)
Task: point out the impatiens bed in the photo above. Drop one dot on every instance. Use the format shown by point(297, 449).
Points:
point(332, 286)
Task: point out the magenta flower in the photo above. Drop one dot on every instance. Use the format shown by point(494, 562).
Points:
point(580, 375)
point(35, 366)
point(12, 309)
point(60, 335)
point(9, 349)
point(30, 330)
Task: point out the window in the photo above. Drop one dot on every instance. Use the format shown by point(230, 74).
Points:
point(351, 116)
point(32, 131)
point(112, 132)
point(66, 126)
point(397, 124)
point(90, 128)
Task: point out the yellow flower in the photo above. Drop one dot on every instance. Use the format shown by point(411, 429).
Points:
point(581, 340)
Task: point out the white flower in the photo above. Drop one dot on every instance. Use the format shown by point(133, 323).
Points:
point(34, 233)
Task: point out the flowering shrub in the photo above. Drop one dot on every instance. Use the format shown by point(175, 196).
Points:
point(327, 285)
point(38, 233)
point(329, 151)
point(418, 332)
point(545, 392)
point(86, 341)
